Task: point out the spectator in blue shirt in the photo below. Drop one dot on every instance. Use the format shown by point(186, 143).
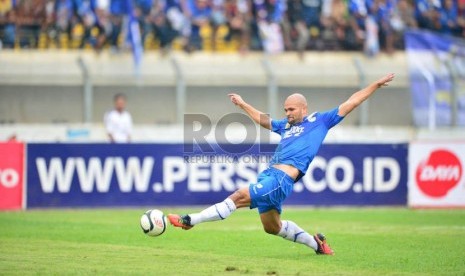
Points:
point(382, 10)
point(88, 18)
point(358, 11)
point(142, 11)
point(311, 12)
point(424, 10)
point(118, 9)
point(449, 18)
point(200, 12)
point(7, 23)
point(269, 16)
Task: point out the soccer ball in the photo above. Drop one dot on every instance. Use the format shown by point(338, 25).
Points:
point(153, 222)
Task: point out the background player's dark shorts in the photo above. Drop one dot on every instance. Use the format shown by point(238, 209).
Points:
point(272, 188)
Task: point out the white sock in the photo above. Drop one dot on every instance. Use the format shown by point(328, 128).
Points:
point(290, 231)
point(218, 211)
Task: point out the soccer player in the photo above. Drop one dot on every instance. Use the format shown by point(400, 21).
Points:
point(301, 137)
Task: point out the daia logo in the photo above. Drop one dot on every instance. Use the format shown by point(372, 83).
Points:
point(437, 175)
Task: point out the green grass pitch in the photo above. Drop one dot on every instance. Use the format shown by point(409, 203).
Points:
point(366, 241)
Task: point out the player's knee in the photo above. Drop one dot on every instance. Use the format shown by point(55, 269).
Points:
point(242, 194)
point(241, 198)
point(272, 229)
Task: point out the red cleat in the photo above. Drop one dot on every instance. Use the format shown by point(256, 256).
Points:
point(323, 247)
point(183, 222)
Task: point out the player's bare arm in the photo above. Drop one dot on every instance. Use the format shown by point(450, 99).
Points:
point(256, 115)
point(360, 96)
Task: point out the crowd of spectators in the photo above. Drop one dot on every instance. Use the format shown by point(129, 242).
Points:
point(269, 25)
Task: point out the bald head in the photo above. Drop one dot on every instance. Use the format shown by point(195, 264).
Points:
point(297, 98)
point(295, 107)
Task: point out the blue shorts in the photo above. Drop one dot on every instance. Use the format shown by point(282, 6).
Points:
point(272, 188)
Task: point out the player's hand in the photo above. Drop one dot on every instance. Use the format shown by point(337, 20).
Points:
point(384, 81)
point(236, 99)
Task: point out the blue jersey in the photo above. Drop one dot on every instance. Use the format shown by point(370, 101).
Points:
point(300, 142)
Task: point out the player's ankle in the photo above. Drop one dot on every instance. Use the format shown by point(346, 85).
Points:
point(186, 220)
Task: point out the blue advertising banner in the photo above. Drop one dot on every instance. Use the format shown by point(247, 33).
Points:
point(104, 175)
point(437, 77)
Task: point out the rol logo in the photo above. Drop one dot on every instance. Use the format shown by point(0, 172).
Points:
point(439, 173)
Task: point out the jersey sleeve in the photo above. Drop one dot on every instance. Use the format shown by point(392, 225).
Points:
point(331, 118)
point(278, 125)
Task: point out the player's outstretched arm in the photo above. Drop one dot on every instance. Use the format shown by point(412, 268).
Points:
point(259, 117)
point(360, 96)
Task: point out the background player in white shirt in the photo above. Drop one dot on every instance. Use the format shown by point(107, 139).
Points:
point(118, 122)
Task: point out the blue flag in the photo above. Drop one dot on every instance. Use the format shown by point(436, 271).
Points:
point(134, 36)
point(436, 69)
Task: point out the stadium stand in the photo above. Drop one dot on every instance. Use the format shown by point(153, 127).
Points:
point(224, 25)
